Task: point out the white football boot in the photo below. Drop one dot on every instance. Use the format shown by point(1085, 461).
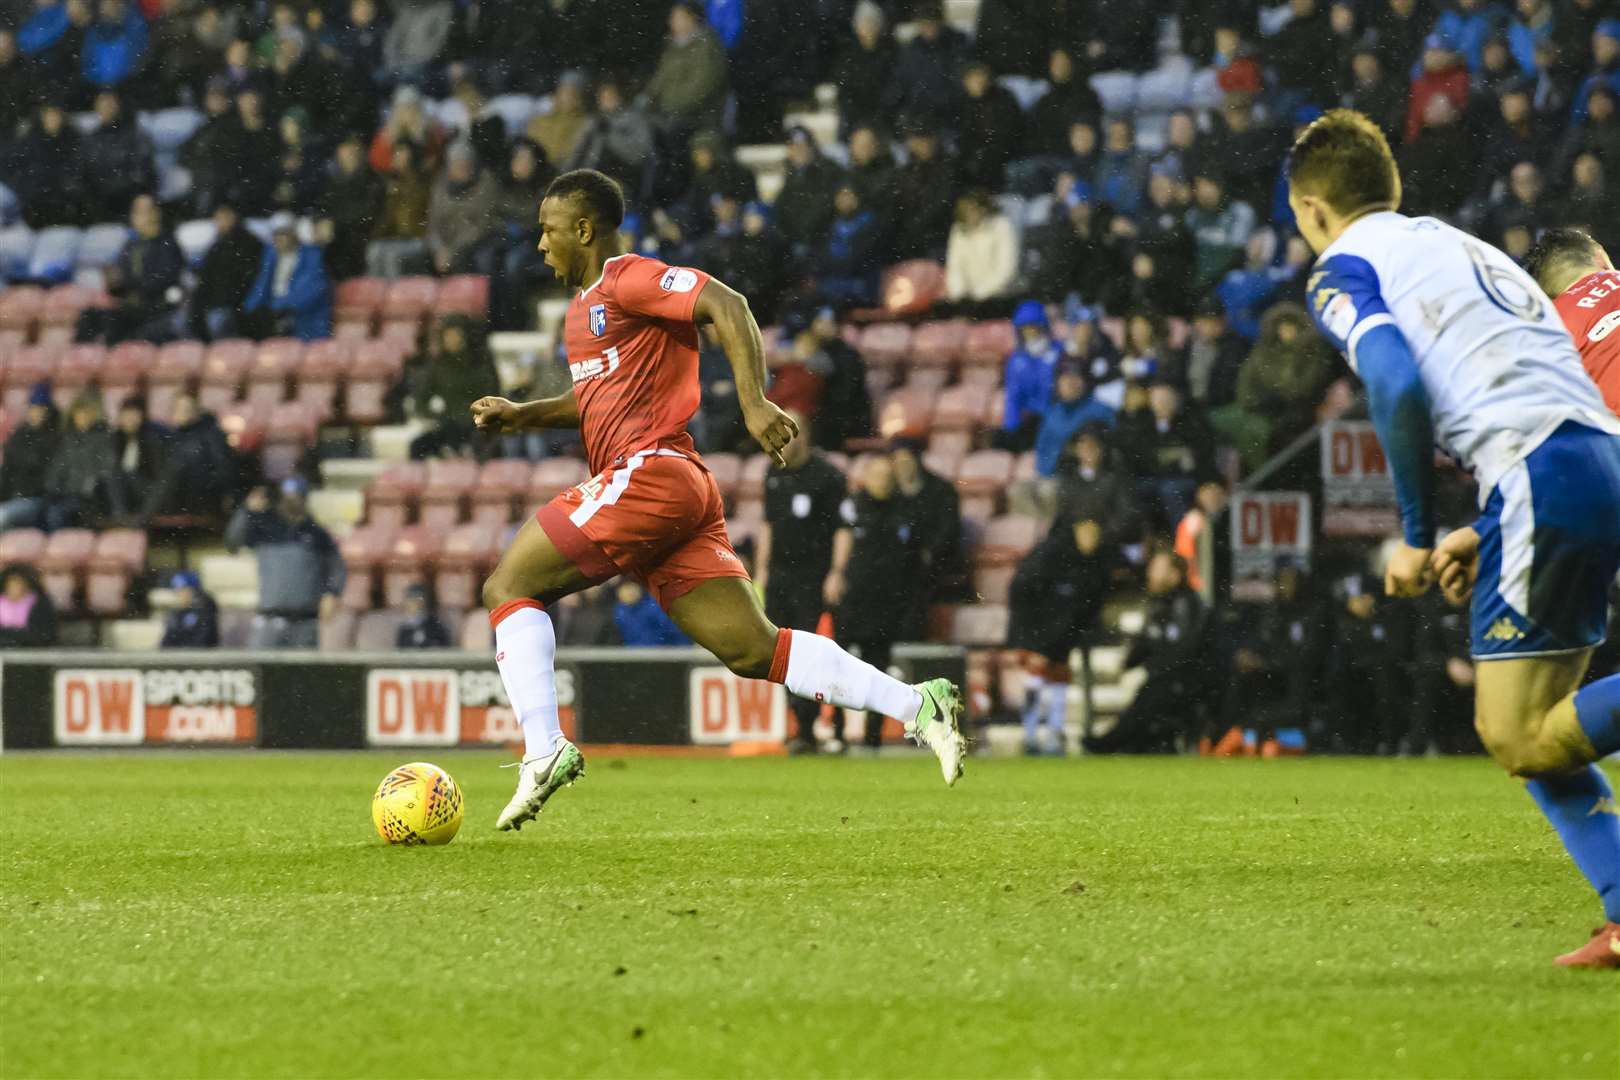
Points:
point(539, 778)
point(937, 728)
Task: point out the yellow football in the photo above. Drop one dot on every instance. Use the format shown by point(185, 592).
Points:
point(417, 804)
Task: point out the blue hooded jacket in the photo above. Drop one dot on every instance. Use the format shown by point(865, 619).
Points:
point(308, 297)
point(644, 623)
point(44, 29)
point(111, 53)
point(1062, 420)
point(1029, 376)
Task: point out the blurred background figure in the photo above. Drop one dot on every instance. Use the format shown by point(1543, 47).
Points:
point(193, 622)
point(421, 628)
point(28, 456)
point(27, 618)
point(301, 573)
point(640, 620)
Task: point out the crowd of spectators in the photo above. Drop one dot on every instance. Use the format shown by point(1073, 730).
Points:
point(368, 131)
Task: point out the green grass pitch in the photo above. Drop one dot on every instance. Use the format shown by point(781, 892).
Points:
point(225, 914)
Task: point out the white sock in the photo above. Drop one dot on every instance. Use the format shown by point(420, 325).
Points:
point(817, 668)
point(526, 652)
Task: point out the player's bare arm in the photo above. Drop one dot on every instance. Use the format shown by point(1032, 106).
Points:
point(726, 311)
point(499, 416)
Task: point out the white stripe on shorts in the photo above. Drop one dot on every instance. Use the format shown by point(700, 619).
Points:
point(1518, 525)
point(616, 487)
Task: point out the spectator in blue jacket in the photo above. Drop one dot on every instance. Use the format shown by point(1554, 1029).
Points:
point(1532, 25)
point(292, 294)
point(1605, 67)
point(1247, 291)
point(1470, 24)
point(1028, 378)
point(1072, 409)
point(52, 39)
point(194, 622)
point(114, 44)
point(848, 268)
point(641, 621)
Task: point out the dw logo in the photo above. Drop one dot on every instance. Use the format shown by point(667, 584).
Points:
point(598, 319)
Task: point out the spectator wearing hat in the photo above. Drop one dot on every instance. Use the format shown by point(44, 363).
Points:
point(225, 279)
point(992, 127)
point(1073, 405)
point(804, 210)
point(81, 480)
point(27, 616)
point(981, 256)
point(421, 628)
point(1170, 449)
point(1220, 226)
point(301, 573)
point(925, 195)
point(1442, 74)
point(28, 456)
point(114, 44)
point(1028, 376)
point(688, 89)
point(1279, 386)
point(292, 296)
point(861, 71)
point(923, 81)
point(193, 622)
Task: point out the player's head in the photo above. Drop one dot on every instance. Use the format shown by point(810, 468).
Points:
point(582, 210)
point(1562, 257)
point(1339, 168)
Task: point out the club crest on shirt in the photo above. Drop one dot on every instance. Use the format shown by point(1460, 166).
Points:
point(598, 319)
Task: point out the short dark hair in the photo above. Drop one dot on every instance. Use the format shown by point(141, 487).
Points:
point(1343, 159)
point(1558, 252)
point(597, 193)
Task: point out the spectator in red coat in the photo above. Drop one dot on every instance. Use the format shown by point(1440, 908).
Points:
point(1443, 75)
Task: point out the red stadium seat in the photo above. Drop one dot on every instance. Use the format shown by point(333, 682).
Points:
point(377, 631)
point(938, 344)
point(402, 334)
point(501, 485)
point(907, 413)
point(985, 472)
point(751, 480)
point(21, 546)
point(64, 304)
point(994, 583)
point(12, 339)
point(376, 368)
point(336, 632)
point(911, 288)
point(475, 633)
point(359, 299)
point(980, 624)
point(351, 331)
point(244, 424)
point(1024, 467)
point(76, 368)
point(363, 551)
point(960, 408)
point(178, 365)
point(727, 472)
point(225, 368)
point(62, 565)
point(944, 461)
point(272, 370)
point(1006, 539)
point(21, 307)
point(445, 492)
point(409, 561)
point(391, 496)
point(28, 367)
point(125, 368)
point(290, 432)
point(409, 297)
point(319, 373)
point(885, 343)
point(469, 553)
point(466, 294)
point(927, 380)
point(989, 343)
point(119, 557)
point(553, 476)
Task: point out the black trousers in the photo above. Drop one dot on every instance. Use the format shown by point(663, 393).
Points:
point(795, 604)
point(878, 654)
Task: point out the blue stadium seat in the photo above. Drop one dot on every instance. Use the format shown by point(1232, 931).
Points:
point(101, 245)
point(195, 238)
point(514, 111)
point(55, 251)
point(16, 251)
point(1117, 89)
point(1205, 89)
point(1025, 89)
point(1166, 87)
point(170, 129)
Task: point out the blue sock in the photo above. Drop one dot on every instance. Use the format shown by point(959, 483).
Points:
point(1581, 807)
point(1597, 707)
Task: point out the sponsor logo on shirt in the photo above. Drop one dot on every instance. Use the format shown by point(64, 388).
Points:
point(677, 279)
point(1339, 317)
point(597, 367)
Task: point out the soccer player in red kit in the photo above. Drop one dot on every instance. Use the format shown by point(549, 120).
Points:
point(652, 511)
point(1576, 272)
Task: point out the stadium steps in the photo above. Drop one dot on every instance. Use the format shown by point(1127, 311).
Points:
point(338, 510)
point(132, 635)
point(233, 580)
point(350, 474)
point(823, 124)
point(391, 443)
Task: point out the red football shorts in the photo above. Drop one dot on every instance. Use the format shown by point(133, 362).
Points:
point(656, 517)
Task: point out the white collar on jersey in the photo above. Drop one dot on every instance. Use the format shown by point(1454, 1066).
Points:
point(604, 272)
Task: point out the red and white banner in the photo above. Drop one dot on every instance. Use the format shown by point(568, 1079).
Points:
point(1358, 494)
point(131, 706)
point(726, 708)
point(445, 707)
point(1268, 527)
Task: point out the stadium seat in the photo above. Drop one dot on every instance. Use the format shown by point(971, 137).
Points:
point(884, 343)
point(315, 384)
point(12, 339)
point(994, 583)
point(363, 551)
point(273, 365)
point(466, 294)
point(123, 372)
point(409, 561)
point(21, 546)
point(1116, 90)
point(54, 254)
point(979, 624)
point(1024, 467)
point(1165, 88)
point(469, 553)
point(391, 496)
point(225, 368)
point(911, 287)
point(982, 481)
point(1006, 539)
point(61, 565)
point(727, 472)
point(377, 631)
point(501, 484)
point(64, 303)
point(16, 250)
point(927, 380)
point(553, 476)
point(943, 462)
point(1204, 90)
point(336, 632)
point(101, 245)
point(445, 491)
point(408, 299)
point(374, 371)
point(988, 343)
point(475, 633)
point(905, 413)
point(170, 129)
point(952, 444)
point(289, 433)
point(195, 238)
point(76, 369)
point(359, 299)
point(960, 408)
point(938, 343)
point(119, 557)
point(244, 424)
point(27, 367)
point(21, 307)
point(515, 111)
point(178, 365)
point(402, 335)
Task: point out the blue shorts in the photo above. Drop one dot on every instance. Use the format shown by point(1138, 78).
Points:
point(1549, 546)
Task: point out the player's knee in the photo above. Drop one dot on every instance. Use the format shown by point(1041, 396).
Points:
point(497, 591)
point(1521, 753)
point(749, 656)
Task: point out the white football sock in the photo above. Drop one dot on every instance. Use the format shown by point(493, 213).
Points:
point(526, 652)
point(815, 667)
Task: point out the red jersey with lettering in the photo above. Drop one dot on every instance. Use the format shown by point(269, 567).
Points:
point(1590, 309)
point(633, 354)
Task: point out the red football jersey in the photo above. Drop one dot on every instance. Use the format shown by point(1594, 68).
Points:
point(1590, 309)
point(633, 354)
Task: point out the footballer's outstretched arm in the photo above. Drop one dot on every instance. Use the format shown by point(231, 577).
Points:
point(500, 416)
point(1400, 411)
point(726, 310)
